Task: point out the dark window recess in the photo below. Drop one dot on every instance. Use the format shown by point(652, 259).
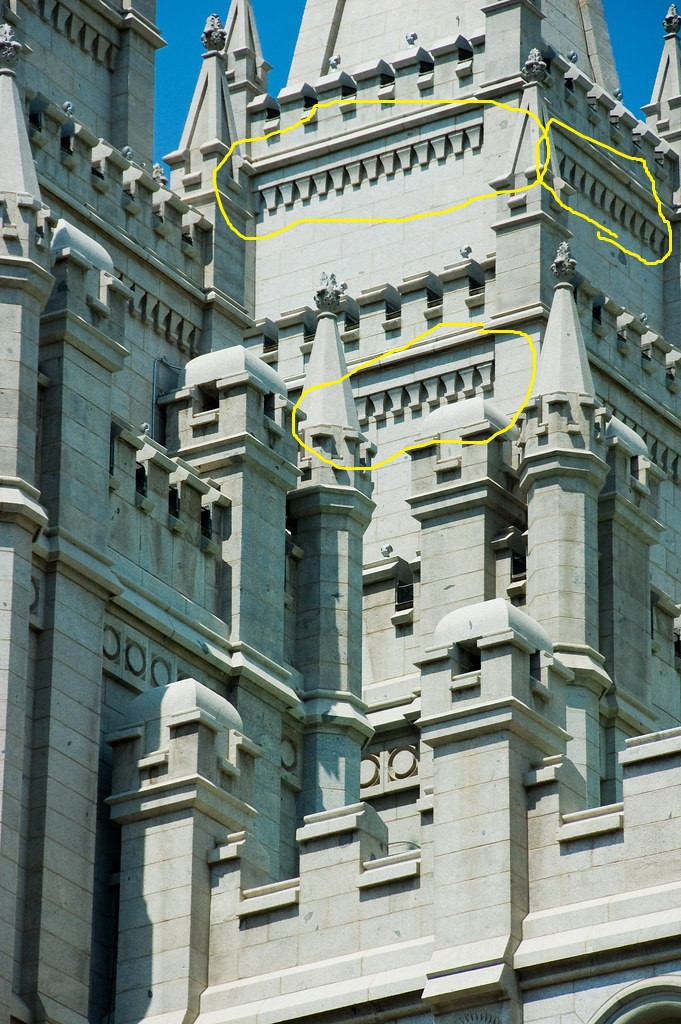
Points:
point(535, 665)
point(67, 142)
point(475, 287)
point(268, 406)
point(35, 119)
point(569, 85)
point(392, 311)
point(348, 91)
point(207, 522)
point(518, 565)
point(465, 53)
point(351, 320)
point(433, 298)
point(309, 100)
point(387, 79)
point(209, 398)
point(141, 480)
point(112, 450)
point(469, 659)
point(677, 643)
point(426, 66)
point(174, 502)
point(270, 343)
point(597, 312)
point(404, 596)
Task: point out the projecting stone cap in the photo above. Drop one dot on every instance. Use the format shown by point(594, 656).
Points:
point(616, 430)
point(233, 363)
point(472, 416)
point(66, 236)
point(184, 701)
point(488, 619)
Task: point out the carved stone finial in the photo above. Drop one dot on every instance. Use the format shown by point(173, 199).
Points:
point(535, 68)
point(158, 174)
point(214, 35)
point(672, 23)
point(564, 265)
point(329, 295)
point(9, 49)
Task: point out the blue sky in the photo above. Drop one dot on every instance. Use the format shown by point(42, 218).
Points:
point(635, 29)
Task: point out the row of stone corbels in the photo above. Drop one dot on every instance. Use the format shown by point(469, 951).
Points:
point(598, 104)
point(355, 173)
point(134, 454)
point(629, 203)
point(386, 80)
point(100, 43)
point(115, 184)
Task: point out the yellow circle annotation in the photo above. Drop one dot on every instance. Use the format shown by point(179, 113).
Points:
point(481, 329)
point(603, 233)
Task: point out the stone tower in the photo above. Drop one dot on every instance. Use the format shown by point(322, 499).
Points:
point(339, 623)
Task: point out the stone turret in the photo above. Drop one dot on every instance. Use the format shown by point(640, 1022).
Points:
point(25, 285)
point(330, 510)
point(247, 69)
point(461, 499)
point(210, 130)
point(562, 471)
point(357, 32)
point(664, 110)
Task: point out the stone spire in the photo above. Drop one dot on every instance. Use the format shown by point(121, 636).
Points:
point(360, 32)
point(563, 363)
point(241, 33)
point(17, 170)
point(209, 128)
point(663, 111)
point(333, 406)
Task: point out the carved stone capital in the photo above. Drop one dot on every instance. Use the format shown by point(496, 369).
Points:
point(329, 295)
point(672, 23)
point(535, 68)
point(9, 49)
point(214, 35)
point(564, 265)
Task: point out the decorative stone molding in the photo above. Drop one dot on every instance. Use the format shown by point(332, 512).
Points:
point(672, 23)
point(627, 214)
point(358, 173)
point(393, 767)
point(420, 397)
point(159, 175)
point(213, 36)
point(564, 265)
point(101, 47)
point(535, 68)
point(9, 49)
point(328, 296)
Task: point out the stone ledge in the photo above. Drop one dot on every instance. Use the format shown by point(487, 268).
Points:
point(594, 822)
point(654, 745)
point(266, 898)
point(390, 869)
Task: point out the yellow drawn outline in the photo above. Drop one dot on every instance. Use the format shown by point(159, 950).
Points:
point(603, 233)
point(419, 444)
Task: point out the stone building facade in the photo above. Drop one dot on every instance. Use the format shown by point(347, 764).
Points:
point(285, 738)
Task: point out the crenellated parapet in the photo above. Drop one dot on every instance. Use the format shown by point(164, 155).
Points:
point(602, 880)
point(180, 760)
